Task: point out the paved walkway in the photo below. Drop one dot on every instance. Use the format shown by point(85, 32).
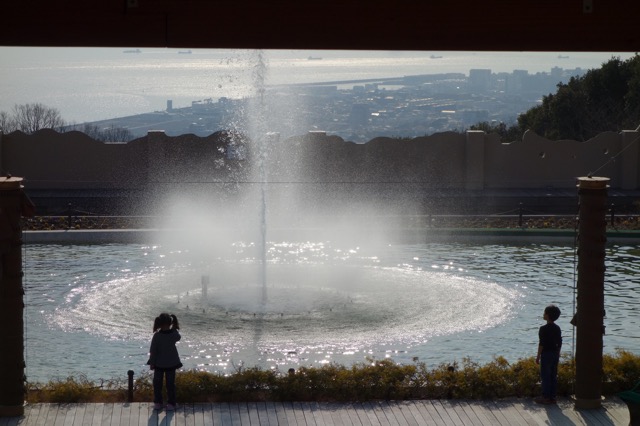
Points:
point(510, 412)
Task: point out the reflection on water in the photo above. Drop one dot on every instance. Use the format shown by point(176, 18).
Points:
point(91, 308)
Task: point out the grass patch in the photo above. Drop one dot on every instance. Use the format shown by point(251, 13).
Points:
point(371, 380)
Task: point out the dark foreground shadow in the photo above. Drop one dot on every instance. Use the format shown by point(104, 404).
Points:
point(161, 418)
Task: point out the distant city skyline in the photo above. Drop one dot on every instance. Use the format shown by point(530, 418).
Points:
point(89, 84)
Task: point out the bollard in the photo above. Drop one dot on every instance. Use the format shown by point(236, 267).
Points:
point(130, 392)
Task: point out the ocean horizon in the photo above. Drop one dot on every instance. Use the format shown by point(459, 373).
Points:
point(91, 84)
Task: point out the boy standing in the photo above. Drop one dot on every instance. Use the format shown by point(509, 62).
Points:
point(549, 355)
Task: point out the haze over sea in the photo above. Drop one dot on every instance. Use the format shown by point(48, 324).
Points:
point(90, 84)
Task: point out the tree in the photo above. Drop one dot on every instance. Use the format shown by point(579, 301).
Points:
point(30, 118)
point(7, 123)
point(506, 133)
point(603, 99)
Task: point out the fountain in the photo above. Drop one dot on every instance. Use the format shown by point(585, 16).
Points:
point(250, 287)
point(264, 269)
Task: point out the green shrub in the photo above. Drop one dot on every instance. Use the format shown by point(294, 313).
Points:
point(74, 389)
point(370, 380)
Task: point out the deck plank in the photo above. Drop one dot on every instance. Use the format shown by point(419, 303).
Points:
point(346, 414)
point(31, 412)
point(304, 409)
point(338, 414)
point(449, 418)
point(107, 414)
point(429, 411)
point(60, 415)
point(521, 412)
point(239, 413)
point(353, 415)
point(78, 416)
point(189, 415)
point(484, 413)
point(412, 406)
point(284, 413)
point(287, 409)
point(529, 412)
point(125, 416)
point(361, 414)
point(561, 414)
point(470, 414)
point(87, 415)
point(316, 411)
point(407, 410)
point(227, 419)
point(271, 413)
point(145, 413)
point(457, 407)
point(116, 416)
point(617, 410)
point(384, 408)
point(234, 413)
point(198, 417)
point(370, 413)
point(207, 414)
point(510, 413)
point(216, 414)
point(254, 418)
point(97, 414)
point(49, 416)
point(263, 416)
point(298, 413)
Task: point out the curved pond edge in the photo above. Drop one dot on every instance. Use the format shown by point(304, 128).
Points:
point(418, 235)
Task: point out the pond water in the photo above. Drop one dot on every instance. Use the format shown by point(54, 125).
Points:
point(90, 308)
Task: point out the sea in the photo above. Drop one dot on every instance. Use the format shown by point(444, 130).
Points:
point(91, 84)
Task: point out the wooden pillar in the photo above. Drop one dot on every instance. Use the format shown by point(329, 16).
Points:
point(592, 226)
point(13, 204)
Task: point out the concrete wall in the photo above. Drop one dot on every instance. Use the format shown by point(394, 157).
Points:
point(472, 161)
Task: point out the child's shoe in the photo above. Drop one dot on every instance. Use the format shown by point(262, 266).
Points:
point(171, 407)
point(157, 406)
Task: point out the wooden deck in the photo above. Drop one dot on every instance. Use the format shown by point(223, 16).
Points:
point(512, 412)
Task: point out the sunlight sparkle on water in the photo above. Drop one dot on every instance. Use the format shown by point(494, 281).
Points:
point(320, 307)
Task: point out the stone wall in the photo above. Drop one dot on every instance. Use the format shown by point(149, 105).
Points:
point(322, 165)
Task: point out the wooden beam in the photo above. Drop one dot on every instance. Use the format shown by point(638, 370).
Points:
point(501, 25)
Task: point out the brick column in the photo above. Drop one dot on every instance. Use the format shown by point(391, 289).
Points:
point(13, 205)
point(592, 240)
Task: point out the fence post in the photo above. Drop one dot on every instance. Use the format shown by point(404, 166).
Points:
point(69, 220)
point(613, 215)
point(520, 215)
